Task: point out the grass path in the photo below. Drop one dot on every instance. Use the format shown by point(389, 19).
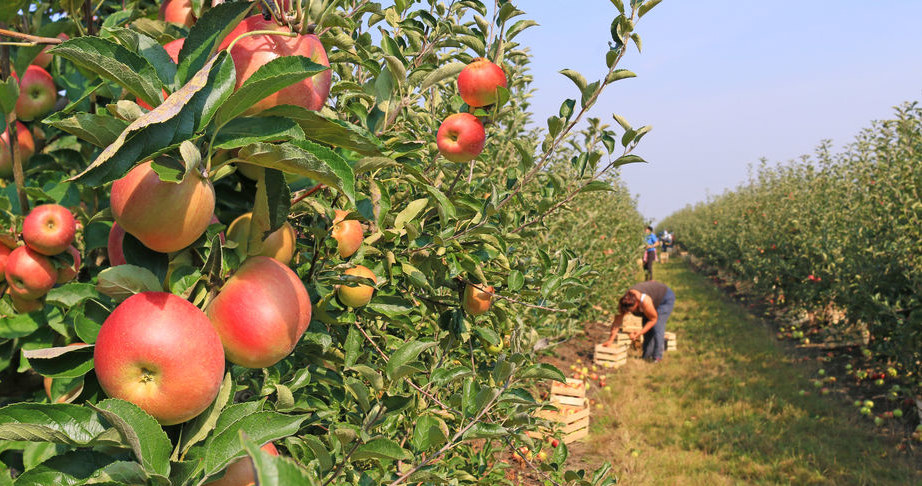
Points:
point(727, 409)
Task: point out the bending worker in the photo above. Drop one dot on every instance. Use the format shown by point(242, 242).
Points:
point(653, 302)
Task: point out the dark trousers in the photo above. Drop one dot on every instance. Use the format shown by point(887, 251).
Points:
point(648, 258)
point(654, 341)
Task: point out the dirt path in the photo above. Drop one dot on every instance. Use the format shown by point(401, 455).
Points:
point(732, 406)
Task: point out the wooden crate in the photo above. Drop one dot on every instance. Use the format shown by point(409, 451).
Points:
point(612, 357)
point(671, 341)
point(573, 393)
point(571, 421)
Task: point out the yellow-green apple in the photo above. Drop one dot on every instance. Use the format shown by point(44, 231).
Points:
point(347, 233)
point(177, 12)
point(478, 82)
point(172, 49)
point(241, 472)
point(260, 313)
point(358, 295)
point(160, 352)
point(26, 149)
point(251, 53)
point(25, 306)
point(461, 137)
point(37, 94)
point(29, 274)
point(49, 229)
point(477, 300)
point(114, 245)
point(66, 274)
point(43, 59)
point(164, 216)
point(280, 244)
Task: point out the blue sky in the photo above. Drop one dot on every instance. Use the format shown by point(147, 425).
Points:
point(725, 82)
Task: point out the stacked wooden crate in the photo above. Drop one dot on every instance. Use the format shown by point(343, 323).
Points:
point(572, 413)
point(671, 343)
point(614, 356)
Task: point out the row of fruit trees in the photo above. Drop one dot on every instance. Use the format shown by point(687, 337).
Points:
point(835, 238)
point(315, 242)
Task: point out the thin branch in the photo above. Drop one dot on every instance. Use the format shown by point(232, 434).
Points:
point(34, 39)
point(510, 299)
point(306, 194)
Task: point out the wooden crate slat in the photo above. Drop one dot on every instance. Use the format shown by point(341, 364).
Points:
point(579, 424)
point(571, 401)
point(573, 388)
point(575, 436)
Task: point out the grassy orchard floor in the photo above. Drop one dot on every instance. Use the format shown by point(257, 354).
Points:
point(726, 408)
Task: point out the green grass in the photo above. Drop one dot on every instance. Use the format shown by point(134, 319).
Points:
point(726, 409)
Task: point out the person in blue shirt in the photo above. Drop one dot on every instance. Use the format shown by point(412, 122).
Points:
point(649, 254)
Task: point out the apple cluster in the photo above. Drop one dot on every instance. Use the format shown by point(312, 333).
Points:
point(461, 136)
point(37, 97)
point(47, 257)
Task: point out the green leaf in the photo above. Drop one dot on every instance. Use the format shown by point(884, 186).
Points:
point(428, 433)
point(9, 9)
point(76, 467)
point(99, 130)
point(60, 423)
point(518, 27)
point(543, 371)
point(141, 432)
point(304, 158)
point(61, 362)
point(353, 347)
point(621, 121)
point(205, 36)
point(114, 63)
point(224, 445)
point(482, 430)
point(336, 133)
point(596, 186)
point(628, 159)
point(515, 281)
point(619, 74)
point(271, 77)
point(369, 164)
point(646, 7)
point(577, 79)
point(390, 306)
point(274, 470)
point(442, 73)
point(410, 212)
point(445, 375)
point(381, 448)
point(71, 294)
point(407, 353)
point(124, 281)
point(445, 208)
point(9, 93)
point(240, 132)
point(20, 325)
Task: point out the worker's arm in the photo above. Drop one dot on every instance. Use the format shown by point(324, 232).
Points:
point(650, 313)
point(615, 327)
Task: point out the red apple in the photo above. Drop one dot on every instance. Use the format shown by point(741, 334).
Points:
point(29, 274)
point(164, 216)
point(37, 94)
point(172, 49)
point(43, 59)
point(4, 255)
point(114, 245)
point(479, 81)
point(251, 53)
point(161, 353)
point(347, 233)
point(359, 295)
point(241, 472)
point(49, 229)
point(260, 313)
point(461, 137)
point(280, 244)
point(66, 274)
point(26, 149)
point(177, 12)
point(477, 301)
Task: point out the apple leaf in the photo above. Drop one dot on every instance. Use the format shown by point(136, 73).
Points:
point(444, 72)
point(61, 362)
point(429, 432)
point(114, 63)
point(59, 423)
point(305, 158)
point(483, 430)
point(9, 9)
point(20, 325)
point(77, 467)
point(273, 470)
point(336, 133)
point(224, 445)
point(99, 130)
point(123, 281)
point(199, 428)
point(71, 294)
point(408, 352)
point(9, 93)
point(271, 77)
point(141, 432)
point(240, 132)
point(381, 448)
point(205, 36)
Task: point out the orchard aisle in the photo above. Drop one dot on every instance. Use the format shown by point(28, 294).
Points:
point(726, 409)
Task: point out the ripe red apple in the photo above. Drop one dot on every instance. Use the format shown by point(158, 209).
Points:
point(359, 295)
point(479, 81)
point(43, 59)
point(37, 94)
point(461, 137)
point(114, 245)
point(177, 12)
point(164, 216)
point(161, 353)
point(26, 149)
point(4, 255)
point(25, 306)
point(347, 233)
point(66, 274)
point(477, 301)
point(260, 313)
point(49, 229)
point(29, 274)
point(280, 244)
point(251, 53)
point(241, 472)
point(172, 49)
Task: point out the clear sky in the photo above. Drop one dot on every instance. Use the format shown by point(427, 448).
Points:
point(725, 82)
